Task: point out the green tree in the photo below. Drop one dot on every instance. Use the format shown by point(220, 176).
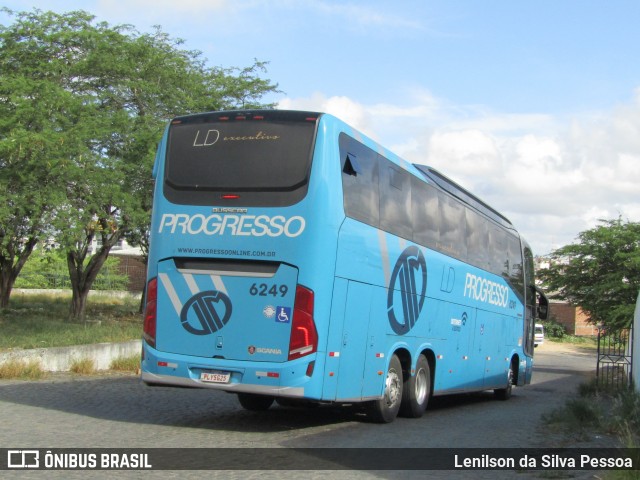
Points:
point(600, 273)
point(40, 129)
point(122, 87)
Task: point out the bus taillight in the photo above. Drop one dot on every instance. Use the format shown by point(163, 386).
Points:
point(304, 337)
point(149, 331)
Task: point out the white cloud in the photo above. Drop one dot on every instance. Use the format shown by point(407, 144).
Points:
point(154, 7)
point(385, 123)
point(553, 177)
point(350, 111)
point(366, 16)
point(233, 14)
point(188, 14)
point(480, 119)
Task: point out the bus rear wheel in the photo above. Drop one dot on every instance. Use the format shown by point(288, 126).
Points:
point(505, 393)
point(416, 390)
point(255, 403)
point(385, 410)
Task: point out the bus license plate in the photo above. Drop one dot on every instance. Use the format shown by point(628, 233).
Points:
point(215, 377)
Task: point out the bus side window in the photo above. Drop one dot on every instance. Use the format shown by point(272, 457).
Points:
point(477, 240)
point(424, 207)
point(453, 227)
point(530, 305)
point(359, 181)
point(516, 267)
point(395, 200)
point(499, 252)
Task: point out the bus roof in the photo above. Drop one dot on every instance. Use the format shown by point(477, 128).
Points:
point(433, 176)
point(445, 183)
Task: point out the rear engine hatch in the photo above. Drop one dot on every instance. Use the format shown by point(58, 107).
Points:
point(231, 309)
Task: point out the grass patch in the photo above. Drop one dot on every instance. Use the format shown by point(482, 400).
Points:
point(578, 417)
point(40, 321)
point(597, 409)
point(83, 366)
point(18, 369)
point(587, 342)
point(126, 364)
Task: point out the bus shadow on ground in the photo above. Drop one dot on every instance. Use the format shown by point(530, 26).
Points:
point(455, 401)
point(127, 399)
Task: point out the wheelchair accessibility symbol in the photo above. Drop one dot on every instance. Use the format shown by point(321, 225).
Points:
point(283, 314)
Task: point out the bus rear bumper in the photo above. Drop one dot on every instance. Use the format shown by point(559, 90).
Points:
point(290, 379)
point(170, 380)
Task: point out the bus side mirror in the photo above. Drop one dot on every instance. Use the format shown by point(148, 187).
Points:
point(543, 312)
point(542, 308)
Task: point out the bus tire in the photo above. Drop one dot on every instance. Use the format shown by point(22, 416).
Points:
point(385, 409)
point(255, 403)
point(505, 393)
point(416, 390)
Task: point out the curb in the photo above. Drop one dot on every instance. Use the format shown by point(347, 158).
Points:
point(60, 359)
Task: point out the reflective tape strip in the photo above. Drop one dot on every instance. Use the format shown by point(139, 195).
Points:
point(173, 296)
point(191, 283)
point(384, 252)
point(219, 284)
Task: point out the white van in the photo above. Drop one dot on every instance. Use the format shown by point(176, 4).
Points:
point(538, 337)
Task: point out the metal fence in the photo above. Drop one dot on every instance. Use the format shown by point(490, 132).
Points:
point(615, 354)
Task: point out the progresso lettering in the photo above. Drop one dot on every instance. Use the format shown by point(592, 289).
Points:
point(237, 225)
point(483, 290)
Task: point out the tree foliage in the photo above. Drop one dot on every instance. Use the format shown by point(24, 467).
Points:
point(39, 131)
point(48, 269)
point(600, 273)
point(82, 107)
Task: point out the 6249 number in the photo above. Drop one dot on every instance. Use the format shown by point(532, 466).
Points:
point(264, 290)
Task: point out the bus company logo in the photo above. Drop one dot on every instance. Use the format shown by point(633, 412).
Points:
point(409, 285)
point(269, 311)
point(206, 312)
point(252, 349)
point(458, 323)
point(229, 210)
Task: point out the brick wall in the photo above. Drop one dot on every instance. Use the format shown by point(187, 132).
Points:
point(583, 327)
point(573, 318)
point(134, 269)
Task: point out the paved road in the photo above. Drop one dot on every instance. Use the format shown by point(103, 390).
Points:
point(119, 411)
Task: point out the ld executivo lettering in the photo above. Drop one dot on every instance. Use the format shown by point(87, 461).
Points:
point(237, 225)
point(486, 291)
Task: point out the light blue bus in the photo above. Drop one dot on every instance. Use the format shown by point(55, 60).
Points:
point(293, 258)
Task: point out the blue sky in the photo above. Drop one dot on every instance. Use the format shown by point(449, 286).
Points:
point(532, 105)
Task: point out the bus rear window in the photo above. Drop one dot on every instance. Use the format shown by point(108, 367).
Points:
point(259, 158)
